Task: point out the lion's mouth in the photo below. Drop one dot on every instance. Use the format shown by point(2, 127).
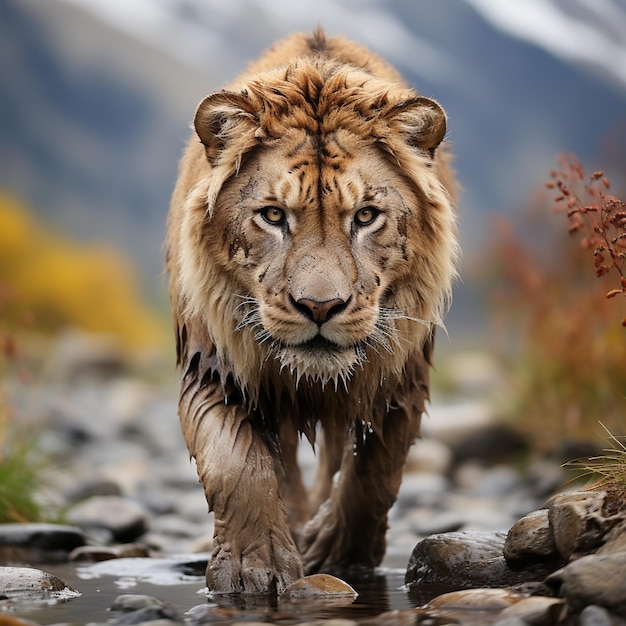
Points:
point(321, 343)
point(320, 359)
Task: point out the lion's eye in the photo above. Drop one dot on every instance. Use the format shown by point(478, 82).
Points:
point(273, 215)
point(366, 216)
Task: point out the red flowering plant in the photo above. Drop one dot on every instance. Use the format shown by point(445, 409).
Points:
point(556, 327)
point(599, 217)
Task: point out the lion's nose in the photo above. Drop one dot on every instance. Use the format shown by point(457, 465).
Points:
point(320, 311)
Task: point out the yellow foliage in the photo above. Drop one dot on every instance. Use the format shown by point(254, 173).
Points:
point(62, 283)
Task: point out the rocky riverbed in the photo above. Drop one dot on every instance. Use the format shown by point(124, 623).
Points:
point(136, 534)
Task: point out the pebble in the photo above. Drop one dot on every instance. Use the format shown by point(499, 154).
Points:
point(95, 554)
point(536, 610)
point(143, 609)
point(594, 579)
point(593, 615)
point(42, 536)
point(530, 537)
point(30, 584)
point(322, 587)
point(38, 542)
point(577, 521)
point(124, 518)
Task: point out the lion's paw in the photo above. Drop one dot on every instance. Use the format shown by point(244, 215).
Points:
point(319, 539)
point(264, 566)
point(329, 544)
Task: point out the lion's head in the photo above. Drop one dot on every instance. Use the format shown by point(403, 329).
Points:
point(319, 238)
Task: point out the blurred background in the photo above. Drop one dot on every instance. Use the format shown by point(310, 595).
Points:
point(96, 98)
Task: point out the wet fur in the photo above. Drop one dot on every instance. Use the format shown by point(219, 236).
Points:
point(318, 127)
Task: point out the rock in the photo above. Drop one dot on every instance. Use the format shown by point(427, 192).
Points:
point(421, 488)
point(125, 519)
point(466, 559)
point(481, 604)
point(38, 543)
point(614, 540)
point(491, 444)
point(316, 586)
point(94, 487)
point(545, 477)
point(438, 522)
point(594, 615)
point(393, 618)
point(79, 355)
point(593, 579)
point(578, 521)
point(536, 610)
point(475, 598)
point(530, 538)
point(26, 583)
point(138, 609)
point(428, 455)
point(95, 554)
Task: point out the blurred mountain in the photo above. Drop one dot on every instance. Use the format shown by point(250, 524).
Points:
point(96, 96)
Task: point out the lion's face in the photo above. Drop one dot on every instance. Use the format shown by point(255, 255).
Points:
point(334, 257)
point(315, 243)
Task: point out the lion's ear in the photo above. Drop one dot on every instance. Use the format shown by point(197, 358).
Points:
point(421, 120)
point(222, 117)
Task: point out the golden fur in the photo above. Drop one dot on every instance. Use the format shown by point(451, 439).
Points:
point(311, 250)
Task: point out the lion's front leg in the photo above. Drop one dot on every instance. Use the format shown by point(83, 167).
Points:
point(348, 531)
point(254, 551)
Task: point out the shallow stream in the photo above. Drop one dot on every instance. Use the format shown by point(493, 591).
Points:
point(102, 583)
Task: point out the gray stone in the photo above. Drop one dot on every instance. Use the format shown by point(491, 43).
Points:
point(439, 522)
point(614, 540)
point(95, 487)
point(150, 615)
point(537, 610)
point(133, 602)
point(593, 615)
point(95, 554)
point(466, 559)
point(593, 579)
point(42, 536)
point(27, 583)
point(529, 538)
point(497, 482)
point(139, 609)
point(125, 519)
point(578, 521)
point(38, 543)
point(429, 456)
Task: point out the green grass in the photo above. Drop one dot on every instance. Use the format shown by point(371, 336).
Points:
point(19, 482)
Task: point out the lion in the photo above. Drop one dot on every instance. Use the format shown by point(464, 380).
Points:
point(311, 251)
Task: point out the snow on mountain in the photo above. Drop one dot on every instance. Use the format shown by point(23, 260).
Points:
point(96, 95)
point(590, 32)
point(196, 30)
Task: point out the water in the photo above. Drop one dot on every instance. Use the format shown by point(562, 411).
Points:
point(102, 583)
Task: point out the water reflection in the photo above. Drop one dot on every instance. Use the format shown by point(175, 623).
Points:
point(379, 592)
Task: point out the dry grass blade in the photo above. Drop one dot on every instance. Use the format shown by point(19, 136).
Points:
point(607, 470)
